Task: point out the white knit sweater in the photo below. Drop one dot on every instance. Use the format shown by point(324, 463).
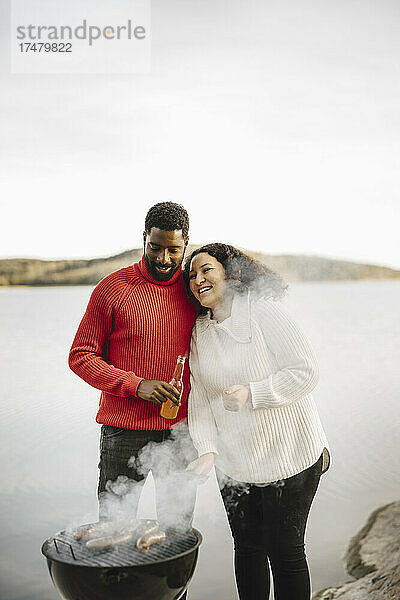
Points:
point(278, 432)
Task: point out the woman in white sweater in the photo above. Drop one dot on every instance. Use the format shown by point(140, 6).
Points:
point(252, 415)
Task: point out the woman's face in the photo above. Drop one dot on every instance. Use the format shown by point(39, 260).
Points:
point(207, 280)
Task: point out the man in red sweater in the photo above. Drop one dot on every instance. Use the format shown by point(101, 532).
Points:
point(137, 322)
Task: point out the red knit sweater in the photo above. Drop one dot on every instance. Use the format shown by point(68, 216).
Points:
point(134, 328)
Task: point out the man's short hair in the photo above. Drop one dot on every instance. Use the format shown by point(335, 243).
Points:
point(167, 216)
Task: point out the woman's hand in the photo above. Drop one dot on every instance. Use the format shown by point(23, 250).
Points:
point(202, 465)
point(235, 397)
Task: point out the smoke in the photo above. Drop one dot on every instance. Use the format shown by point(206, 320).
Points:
point(118, 503)
point(117, 506)
point(245, 274)
point(232, 491)
point(168, 457)
point(175, 487)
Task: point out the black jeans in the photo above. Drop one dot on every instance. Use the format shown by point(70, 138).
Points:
point(165, 453)
point(268, 526)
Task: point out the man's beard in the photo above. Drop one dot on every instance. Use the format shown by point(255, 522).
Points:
point(151, 266)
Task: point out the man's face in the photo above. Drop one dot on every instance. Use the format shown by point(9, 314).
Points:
point(164, 252)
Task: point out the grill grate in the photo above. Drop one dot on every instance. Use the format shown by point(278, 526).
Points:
point(64, 548)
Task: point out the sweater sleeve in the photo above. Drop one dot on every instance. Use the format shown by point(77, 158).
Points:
point(202, 426)
point(297, 371)
point(86, 354)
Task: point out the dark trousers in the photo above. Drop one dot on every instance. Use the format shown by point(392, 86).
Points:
point(127, 456)
point(268, 526)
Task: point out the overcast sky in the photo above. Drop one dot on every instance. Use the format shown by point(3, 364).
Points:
point(276, 123)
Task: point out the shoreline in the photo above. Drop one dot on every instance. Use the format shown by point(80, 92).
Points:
point(296, 282)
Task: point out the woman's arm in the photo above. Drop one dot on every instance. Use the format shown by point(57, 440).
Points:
point(297, 371)
point(202, 426)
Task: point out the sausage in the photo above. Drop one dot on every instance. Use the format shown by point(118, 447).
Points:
point(87, 534)
point(100, 529)
point(148, 539)
point(102, 537)
point(101, 543)
point(146, 527)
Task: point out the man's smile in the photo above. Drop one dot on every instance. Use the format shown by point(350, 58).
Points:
point(163, 268)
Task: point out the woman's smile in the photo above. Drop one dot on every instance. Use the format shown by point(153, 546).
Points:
point(205, 289)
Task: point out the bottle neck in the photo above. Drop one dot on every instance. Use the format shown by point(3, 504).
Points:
point(178, 373)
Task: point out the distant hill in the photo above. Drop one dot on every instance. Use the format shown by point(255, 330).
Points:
point(26, 271)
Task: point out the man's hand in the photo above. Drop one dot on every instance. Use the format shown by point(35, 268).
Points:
point(235, 397)
point(202, 465)
point(157, 392)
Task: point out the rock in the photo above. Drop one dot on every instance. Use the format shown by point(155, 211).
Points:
point(380, 585)
point(373, 558)
point(377, 544)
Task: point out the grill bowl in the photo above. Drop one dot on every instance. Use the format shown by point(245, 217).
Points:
point(122, 573)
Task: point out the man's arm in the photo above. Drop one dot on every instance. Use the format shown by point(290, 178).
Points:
point(85, 357)
point(86, 360)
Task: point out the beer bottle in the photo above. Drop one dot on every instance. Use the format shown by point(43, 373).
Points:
point(169, 410)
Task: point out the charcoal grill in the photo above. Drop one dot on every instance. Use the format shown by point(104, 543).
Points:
point(122, 572)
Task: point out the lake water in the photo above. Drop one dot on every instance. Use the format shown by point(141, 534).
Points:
point(49, 438)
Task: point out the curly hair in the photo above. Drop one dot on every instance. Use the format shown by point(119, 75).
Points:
point(243, 272)
point(167, 216)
